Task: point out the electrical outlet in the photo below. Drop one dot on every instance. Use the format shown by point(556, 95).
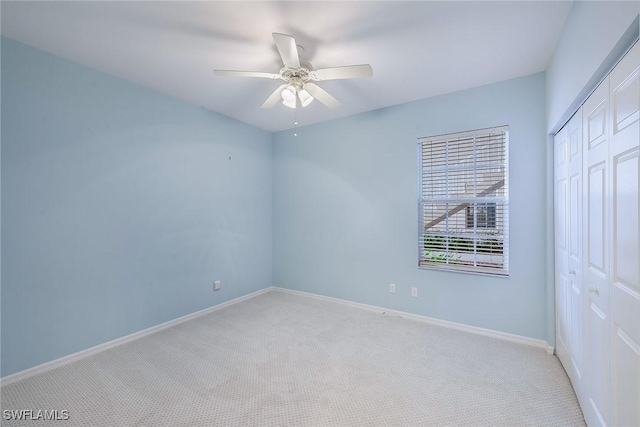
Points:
point(217, 285)
point(414, 292)
point(392, 288)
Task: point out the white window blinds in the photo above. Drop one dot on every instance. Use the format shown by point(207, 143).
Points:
point(464, 201)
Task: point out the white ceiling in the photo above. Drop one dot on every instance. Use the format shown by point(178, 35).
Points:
point(416, 49)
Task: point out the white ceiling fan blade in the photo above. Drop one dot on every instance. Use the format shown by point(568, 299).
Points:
point(322, 95)
point(346, 72)
point(235, 73)
point(273, 99)
point(288, 51)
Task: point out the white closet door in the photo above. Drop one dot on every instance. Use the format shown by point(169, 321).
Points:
point(568, 231)
point(596, 214)
point(574, 245)
point(625, 254)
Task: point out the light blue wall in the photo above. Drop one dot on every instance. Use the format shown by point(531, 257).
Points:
point(595, 35)
point(120, 206)
point(345, 209)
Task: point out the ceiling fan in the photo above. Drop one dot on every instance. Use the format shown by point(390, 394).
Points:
point(299, 77)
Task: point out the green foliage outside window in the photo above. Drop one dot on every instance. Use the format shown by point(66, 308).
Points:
point(444, 248)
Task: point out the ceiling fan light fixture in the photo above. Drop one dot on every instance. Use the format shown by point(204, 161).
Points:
point(290, 104)
point(305, 97)
point(288, 95)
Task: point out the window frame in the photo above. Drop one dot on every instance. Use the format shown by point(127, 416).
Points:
point(489, 201)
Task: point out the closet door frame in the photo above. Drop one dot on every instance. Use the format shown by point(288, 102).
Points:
point(561, 243)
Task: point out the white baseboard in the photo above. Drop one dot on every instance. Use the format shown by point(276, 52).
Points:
point(433, 321)
point(29, 372)
point(550, 349)
point(21, 375)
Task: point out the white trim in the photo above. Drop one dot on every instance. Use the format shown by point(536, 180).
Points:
point(53, 364)
point(433, 321)
point(47, 366)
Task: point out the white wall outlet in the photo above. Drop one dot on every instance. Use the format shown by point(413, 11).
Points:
point(392, 288)
point(414, 292)
point(217, 285)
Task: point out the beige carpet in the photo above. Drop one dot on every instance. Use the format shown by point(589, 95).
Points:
point(287, 360)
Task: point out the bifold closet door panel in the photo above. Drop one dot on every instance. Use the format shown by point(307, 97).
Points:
point(625, 240)
point(568, 250)
point(574, 245)
point(595, 268)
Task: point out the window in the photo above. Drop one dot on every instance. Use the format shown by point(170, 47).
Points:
point(483, 215)
point(463, 201)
